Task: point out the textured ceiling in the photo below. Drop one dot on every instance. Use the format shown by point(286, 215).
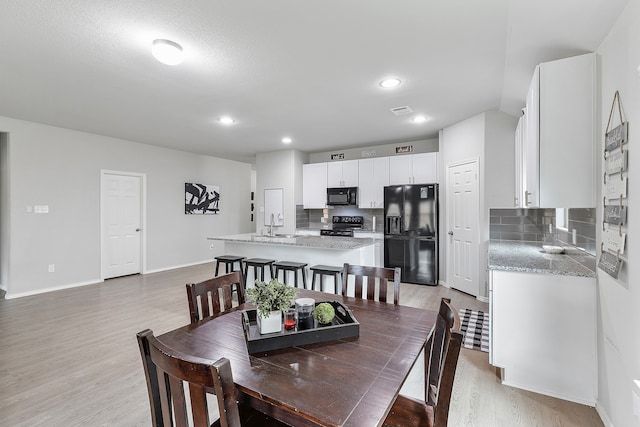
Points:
point(305, 69)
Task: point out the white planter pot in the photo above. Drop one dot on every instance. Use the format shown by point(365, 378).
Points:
point(271, 324)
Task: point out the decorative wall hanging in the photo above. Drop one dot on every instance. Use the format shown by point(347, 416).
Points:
point(201, 198)
point(614, 191)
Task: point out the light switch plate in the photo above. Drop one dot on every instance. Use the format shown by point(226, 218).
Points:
point(41, 209)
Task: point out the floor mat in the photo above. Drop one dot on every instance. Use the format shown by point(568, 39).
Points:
point(475, 327)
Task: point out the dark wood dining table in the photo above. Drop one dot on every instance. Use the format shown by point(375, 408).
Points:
point(349, 382)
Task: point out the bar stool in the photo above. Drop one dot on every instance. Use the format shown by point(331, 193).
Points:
point(326, 270)
point(229, 262)
point(258, 264)
point(285, 266)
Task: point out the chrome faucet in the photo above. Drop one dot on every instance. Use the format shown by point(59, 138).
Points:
point(271, 227)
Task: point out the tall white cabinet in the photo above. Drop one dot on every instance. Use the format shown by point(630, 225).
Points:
point(558, 135)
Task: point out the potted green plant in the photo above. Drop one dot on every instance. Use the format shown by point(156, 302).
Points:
point(271, 299)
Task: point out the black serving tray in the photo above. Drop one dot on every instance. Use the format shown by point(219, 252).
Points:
point(343, 325)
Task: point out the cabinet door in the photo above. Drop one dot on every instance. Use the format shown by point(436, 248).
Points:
point(334, 174)
point(531, 142)
point(379, 180)
point(314, 186)
point(400, 170)
point(567, 135)
point(365, 180)
point(424, 168)
point(350, 173)
point(518, 196)
point(373, 176)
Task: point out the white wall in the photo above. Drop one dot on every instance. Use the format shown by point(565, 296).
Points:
point(280, 169)
point(489, 138)
point(619, 300)
point(61, 168)
point(420, 146)
point(4, 211)
point(460, 142)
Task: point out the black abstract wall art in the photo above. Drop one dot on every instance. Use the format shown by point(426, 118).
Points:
point(201, 198)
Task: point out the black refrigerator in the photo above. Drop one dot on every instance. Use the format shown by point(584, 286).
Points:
point(411, 231)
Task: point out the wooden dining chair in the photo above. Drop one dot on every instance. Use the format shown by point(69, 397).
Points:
point(167, 372)
point(377, 279)
point(441, 358)
point(214, 296)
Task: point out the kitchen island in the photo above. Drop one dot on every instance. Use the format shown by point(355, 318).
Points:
point(313, 250)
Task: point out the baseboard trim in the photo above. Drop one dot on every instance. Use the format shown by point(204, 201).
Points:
point(604, 417)
point(51, 289)
point(443, 283)
point(483, 299)
point(160, 270)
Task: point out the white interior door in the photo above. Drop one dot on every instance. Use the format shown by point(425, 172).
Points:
point(463, 212)
point(121, 219)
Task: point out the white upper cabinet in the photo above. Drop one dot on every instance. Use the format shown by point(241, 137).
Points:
point(342, 174)
point(373, 176)
point(559, 139)
point(518, 196)
point(413, 169)
point(314, 186)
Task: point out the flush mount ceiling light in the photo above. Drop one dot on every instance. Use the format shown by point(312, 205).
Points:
point(390, 83)
point(419, 119)
point(167, 52)
point(286, 140)
point(226, 120)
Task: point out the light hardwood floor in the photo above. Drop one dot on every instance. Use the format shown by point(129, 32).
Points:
point(70, 358)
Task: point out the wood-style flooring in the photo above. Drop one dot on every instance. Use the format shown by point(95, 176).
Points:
point(70, 358)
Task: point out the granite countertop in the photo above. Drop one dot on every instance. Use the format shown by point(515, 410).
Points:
point(320, 242)
point(529, 257)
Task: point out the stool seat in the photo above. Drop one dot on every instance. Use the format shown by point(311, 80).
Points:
point(291, 266)
point(229, 262)
point(326, 270)
point(258, 264)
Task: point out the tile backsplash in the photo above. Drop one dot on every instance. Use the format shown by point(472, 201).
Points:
point(539, 225)
point(312, 218)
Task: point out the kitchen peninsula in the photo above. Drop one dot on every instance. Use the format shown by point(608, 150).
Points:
point(313, 250)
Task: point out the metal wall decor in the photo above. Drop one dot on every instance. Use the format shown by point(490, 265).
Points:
point(614, 189)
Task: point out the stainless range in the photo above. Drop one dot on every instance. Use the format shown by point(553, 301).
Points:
point(343, 226)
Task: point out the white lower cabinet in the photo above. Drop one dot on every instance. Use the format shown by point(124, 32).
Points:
point(543, 333)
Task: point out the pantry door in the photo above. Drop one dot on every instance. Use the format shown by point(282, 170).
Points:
point(463, 213)
point(121, 219)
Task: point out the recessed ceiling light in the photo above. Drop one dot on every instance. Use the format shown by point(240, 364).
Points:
point(390, 83)
point(419, 119)
point(226, 120)
point(167, 52)
point(287, 140)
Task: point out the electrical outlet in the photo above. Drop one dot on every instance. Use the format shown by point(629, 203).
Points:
point(52, 268)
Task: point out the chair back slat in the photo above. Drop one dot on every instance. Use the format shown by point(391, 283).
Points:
point(174, 369)
point(378, 279)
point(440, 367)
point(204, 297)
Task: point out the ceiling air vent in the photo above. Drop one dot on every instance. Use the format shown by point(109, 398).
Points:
point(399, 111)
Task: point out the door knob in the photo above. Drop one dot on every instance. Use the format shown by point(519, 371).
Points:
point(450, 233)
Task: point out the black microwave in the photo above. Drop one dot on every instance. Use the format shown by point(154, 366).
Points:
point(342, 196)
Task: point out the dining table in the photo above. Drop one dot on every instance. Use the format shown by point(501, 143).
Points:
point(348, 382)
